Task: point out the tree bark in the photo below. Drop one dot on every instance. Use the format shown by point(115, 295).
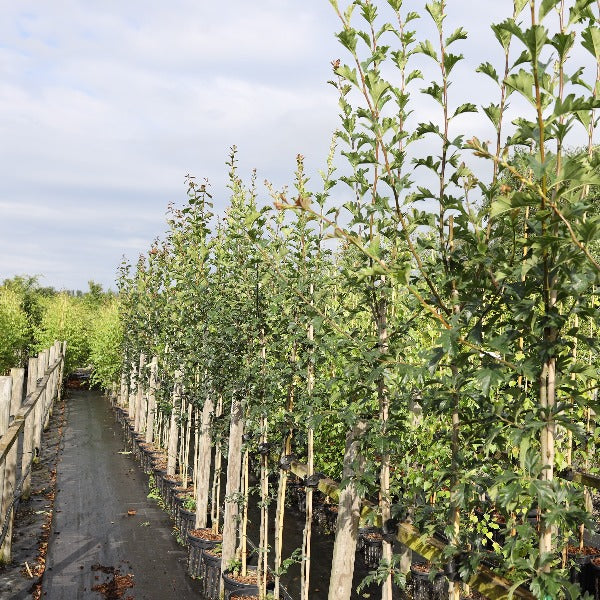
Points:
point(344, 549)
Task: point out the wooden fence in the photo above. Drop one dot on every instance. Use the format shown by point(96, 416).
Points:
point(22, 421)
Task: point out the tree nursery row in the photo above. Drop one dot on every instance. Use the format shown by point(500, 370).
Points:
point(420, 326)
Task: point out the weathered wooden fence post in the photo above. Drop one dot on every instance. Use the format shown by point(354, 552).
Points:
point(29, 431)
point(10, 469)
point(18, 377)
point(5, 401)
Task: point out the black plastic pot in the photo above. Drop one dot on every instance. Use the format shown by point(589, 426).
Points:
point(232, 585)
point(587, 574)
point(424, 588)
point(195, 547)
point(211, 575)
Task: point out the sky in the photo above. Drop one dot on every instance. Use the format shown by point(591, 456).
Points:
point(106, 105)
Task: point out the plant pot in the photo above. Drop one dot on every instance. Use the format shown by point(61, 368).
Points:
point(185, 522)
point(372, 548)
point(210, 570)
point(230, 584)
point(363, 531)
point(584, 570)
point(425, 588)
point(195, 546)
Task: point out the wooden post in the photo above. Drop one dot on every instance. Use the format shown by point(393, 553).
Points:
point(10, 471)
point(232, 489)
point(29, 431)
point(204, 459)
point(61, 369)
point(5, 396)
point(344, 549)
point(151, 412)
point(50, 387)
point(18, 377)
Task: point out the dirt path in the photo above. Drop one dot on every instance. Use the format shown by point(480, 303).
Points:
point(96, 550)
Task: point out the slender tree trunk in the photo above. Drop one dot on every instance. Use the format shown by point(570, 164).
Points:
point(173, 435)
point(216, 483)
point(150, 417)
point(204, 456)
point(139, 393)
point(344, 549)
point(232, 489)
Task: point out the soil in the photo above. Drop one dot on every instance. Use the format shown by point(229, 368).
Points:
point(250, 577)
point(421, 567)
point(585, 551)
point(206, 534)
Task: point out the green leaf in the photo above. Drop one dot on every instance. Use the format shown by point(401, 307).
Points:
point(504, 32)
point(523, 83)
point(493, 113)
point(534, 39)
point(488, 69)
point(518, 6)
point(450, 61)
point(468, 107)
point(434, 90)
point(436, 10)
point(427, 48)
point(590, 37)
point(347, 38)
point(458, 34)
point(345, 72)
point(546, 7)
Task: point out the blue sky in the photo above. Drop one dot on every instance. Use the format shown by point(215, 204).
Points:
point(106, 105)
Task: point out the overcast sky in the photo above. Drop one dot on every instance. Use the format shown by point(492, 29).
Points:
point(105, 105)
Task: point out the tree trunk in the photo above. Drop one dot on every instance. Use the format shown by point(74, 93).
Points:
point(232, 489)
point(204, 456)
point(344, 549)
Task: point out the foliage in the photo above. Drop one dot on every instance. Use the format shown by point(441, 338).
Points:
point(15, 330)
point(105, 343)
point(455, 310)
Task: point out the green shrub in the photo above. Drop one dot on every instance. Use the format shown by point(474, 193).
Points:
point(66, 319)
point(105, 340)
point(14, 330)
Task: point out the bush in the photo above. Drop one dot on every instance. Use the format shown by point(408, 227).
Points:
point(66, 319)
point(14, 330)
point(105, 340)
